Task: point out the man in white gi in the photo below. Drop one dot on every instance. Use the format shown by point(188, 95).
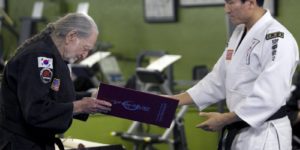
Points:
point(254, 75)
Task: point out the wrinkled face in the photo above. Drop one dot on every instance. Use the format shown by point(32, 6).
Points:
point(77, 48)
point(237, 11)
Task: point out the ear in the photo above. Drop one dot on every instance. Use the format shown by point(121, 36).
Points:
point(252, 3)
point(71, 36)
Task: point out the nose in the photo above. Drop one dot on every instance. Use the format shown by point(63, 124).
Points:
point(84, 54)
point(81, 56)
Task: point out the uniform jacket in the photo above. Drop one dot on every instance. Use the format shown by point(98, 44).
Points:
point(37, 93)
point(254, 76)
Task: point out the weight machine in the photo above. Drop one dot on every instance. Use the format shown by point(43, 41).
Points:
point(29, 23)
point(136, 133)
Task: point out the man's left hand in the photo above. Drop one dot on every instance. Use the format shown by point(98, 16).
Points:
point(216, 121)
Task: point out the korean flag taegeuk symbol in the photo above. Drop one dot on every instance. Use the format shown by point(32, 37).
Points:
point(44, 62)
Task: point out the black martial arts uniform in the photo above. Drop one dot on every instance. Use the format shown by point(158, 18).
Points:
point(37, 98)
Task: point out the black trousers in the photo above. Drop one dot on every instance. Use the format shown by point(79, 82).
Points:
point(12, 141)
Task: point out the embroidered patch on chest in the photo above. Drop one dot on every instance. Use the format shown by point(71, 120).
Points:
point(229, 54)
point(46, 75)
point(44, 62)
point(55, 84)
point(274, 35)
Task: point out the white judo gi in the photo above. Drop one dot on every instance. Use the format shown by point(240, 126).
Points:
point(255, 79)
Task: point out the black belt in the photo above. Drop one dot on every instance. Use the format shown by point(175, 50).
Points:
point(234, 128)
point(58, 142)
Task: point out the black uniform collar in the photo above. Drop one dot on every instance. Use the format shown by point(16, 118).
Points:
point(48, 40)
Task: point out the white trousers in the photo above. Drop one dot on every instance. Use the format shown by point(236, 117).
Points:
point(272, 135)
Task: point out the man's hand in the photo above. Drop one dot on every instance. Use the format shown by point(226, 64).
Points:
point(90, 105)
point(216, 121)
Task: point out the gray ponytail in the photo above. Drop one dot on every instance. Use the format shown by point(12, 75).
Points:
point(83, 24)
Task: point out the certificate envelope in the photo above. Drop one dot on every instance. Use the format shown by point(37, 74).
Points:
point(138, 106)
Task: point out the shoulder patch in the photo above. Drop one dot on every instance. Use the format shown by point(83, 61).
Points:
point(55, 84)
point(44, 62)
point(274, 35)
point(46, 75)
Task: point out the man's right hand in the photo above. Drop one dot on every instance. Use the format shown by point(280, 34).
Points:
point(90, 105)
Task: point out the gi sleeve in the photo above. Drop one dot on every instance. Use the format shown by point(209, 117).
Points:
point(211, 89)
point(38, 108)
point(80, 95)
point(81, 117)
point(278, 60)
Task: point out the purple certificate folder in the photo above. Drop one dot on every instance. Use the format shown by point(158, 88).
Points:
point(138, 106)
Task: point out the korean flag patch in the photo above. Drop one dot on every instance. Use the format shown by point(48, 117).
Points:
point(44, 62)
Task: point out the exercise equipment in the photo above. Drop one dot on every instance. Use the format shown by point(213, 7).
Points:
point(85, 72)
point(148, 79)
point(111, 71)
point(29, 23)
point(136, 133)
point(5, 23)
point(83, 7)
point(80, 144)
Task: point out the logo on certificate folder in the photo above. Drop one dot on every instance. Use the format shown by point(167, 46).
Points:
point(130, 105)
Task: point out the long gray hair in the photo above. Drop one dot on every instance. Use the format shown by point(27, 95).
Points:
point(83, 24)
